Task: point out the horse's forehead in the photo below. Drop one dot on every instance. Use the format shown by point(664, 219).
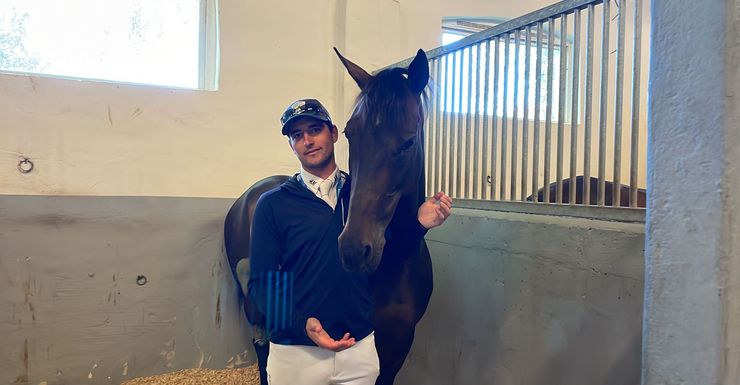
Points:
point(398, 105)
point(385, 105)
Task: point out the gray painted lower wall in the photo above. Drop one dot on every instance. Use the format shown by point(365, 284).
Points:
point(531, 300)
point(71, 310)
point(518, 299)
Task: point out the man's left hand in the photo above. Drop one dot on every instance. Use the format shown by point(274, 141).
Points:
point(435, 210)
point(322, 339)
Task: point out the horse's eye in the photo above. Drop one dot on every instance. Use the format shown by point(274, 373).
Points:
point(406, 145)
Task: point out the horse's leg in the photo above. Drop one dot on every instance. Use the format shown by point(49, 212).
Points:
point(395, 323)
point(392, 351)
point(262, 348)
point(394, 318)
point(401, 295)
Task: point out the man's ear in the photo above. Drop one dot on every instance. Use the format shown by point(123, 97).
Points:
point(334, 133)
point(290, 143)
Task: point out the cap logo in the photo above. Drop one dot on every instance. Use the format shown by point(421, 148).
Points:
point(297, 105)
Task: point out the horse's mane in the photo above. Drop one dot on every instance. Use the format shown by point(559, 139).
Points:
point(385, 92)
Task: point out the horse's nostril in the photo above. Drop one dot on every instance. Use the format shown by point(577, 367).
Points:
point(357, 258)
point(360, 257)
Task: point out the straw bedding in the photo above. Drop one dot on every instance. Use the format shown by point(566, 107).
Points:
point(241, 376)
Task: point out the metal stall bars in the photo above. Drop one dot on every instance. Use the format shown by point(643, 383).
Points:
point(491, 115)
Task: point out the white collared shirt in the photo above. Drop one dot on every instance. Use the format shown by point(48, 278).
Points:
point(313, 182)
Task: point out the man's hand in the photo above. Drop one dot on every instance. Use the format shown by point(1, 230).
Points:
point(318, 335)
point(435, 210)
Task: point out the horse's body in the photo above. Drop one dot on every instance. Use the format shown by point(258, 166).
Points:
point(385, 137)
point(624, 193)
point(237, 231)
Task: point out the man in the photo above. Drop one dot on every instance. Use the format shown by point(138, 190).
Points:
point(318, 314)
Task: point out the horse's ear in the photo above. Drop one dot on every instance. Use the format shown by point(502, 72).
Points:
point(419, 72)
point(362, 78)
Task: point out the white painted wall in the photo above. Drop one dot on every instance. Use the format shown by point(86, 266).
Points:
point(95, 138)
point(91, 138)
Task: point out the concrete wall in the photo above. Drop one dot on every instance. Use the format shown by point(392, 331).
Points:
point(74, 309)
point(518, 298)
point(531, 300)
point(692, 291)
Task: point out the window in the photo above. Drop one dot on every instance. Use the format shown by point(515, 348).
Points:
point(455, 30)
point(169, 43)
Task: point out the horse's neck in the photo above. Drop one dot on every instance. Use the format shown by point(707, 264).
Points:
point(421, 186)
point(408, 205)
point(417, 196)
point(399, 246)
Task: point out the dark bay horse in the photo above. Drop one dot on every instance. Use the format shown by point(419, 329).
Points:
point(386, 162)
point(624, 193)
point(386, 137)
point(237, 231)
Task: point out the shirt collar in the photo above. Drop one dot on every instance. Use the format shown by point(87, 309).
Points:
point(312, 181)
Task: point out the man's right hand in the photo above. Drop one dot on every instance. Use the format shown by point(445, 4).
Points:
point(321, 338)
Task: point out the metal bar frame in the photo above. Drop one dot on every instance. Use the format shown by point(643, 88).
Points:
point(636, 83)
point(468, 117)
point(618, 113)
point(548, 114)
point(588, 113)
point(485, 190)
point(476, 126)
point(561, 110)
point(525, 114)
point(574, 105)
point(603, 102)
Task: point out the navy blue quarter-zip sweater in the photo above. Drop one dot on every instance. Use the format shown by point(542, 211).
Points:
point(295, 268)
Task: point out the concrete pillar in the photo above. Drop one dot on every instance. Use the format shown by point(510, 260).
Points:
point(691, 329)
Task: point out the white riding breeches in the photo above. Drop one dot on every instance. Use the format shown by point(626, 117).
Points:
point(312, 365)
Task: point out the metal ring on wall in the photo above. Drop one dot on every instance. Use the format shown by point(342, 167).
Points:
point(25, 166)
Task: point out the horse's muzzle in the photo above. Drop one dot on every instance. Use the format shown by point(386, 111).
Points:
point(358, 256)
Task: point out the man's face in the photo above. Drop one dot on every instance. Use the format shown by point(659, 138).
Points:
point(313, 143)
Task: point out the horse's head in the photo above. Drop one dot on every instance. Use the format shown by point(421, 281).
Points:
point(386, 155)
